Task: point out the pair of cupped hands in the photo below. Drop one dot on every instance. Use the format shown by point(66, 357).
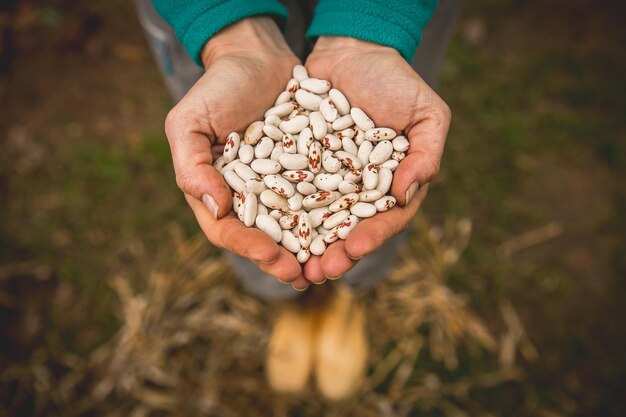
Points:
point(247, 65)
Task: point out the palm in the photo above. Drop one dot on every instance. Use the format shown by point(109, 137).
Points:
point(236, 90)
point(385, 87)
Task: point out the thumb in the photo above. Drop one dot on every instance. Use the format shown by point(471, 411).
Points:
point(192, 157)
point(427, 138)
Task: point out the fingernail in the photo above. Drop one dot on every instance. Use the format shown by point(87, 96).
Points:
point(333, 278)
point(411, 192)
point(321, 282)
point(354, 258)
point(299, 289)
point(211, 204)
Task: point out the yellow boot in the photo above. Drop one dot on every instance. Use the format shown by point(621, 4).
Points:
point(341, 347)
point(290, 351)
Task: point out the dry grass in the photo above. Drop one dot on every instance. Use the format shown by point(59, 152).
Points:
point(193, 344)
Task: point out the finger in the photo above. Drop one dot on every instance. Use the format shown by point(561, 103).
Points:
point(427, 137)
point(190, 144)
point(371, 233)
point(285, 268)
point(300, 284)
point(335, 261)
point(313, 270)
point(231, 234)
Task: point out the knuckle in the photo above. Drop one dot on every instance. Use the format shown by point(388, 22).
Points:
point(184, 181)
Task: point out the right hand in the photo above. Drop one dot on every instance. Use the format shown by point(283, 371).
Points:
point(247, 65)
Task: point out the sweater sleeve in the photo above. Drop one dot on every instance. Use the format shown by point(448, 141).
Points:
point(396, 23)
point(195, 22)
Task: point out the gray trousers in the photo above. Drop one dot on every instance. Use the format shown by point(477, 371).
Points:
point(181, 73)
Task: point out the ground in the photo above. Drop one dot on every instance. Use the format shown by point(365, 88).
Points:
point(535, 159)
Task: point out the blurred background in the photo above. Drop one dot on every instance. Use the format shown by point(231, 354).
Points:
point(508, 302)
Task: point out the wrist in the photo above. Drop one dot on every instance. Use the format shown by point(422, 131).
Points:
point(342, 43)
point(258, 34)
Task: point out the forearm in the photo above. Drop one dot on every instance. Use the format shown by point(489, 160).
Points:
point(397, 24)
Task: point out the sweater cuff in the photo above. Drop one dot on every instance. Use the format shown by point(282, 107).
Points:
point(197, 22)
point(395, 24)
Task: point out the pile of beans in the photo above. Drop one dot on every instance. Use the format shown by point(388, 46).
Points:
point(312, 169)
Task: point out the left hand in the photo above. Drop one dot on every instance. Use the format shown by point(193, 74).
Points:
point(378, 80)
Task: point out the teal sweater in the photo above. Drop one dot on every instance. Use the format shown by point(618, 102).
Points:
point(394, 23)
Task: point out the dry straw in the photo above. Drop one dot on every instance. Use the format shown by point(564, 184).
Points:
point(192, 343)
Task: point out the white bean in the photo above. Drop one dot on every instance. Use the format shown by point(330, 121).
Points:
point(290, 241)
point(234, 181)
point(231, 147)
point(306, 188)
point(381, 152)
point(315, 85)
point(370, 196)
point(255, 186)
point(294, 125)
point(279, 185)
point(380, 133)
point(283, 97)
point(361, 119)
point(346, 227)
point(246, 153)
point(318, 215)
point(336, 219)
point(363, 210)
point(280, 110)
point(344, 202)
point(289, 143)
point(298, 176)
point(274, 201)
point(385, 177)
point(264, 148)
point(391, 164)
point(304, 230)
point(349, 145)
point(304, 141)
point(327, 182)
point(343, 122)
point(318, 125)
point(318, 246)
point(295, 202)
point(340, 101)
point(349, 159)
point(293, 161)
point(364, 152)
point(300, 73)
point(277, 151)
point(385, 203)
point(319, 199)
point(249, 209)
point(253, 133)
point(273, 132)
point(269, 225)
point(330, 162)
point(303, 255)
point(347, 187)
point(400, 144)
point(314, 160)
point(308, 100)
point(265, 166)
point(331, 142)
point(245, 172)
point(328, 110)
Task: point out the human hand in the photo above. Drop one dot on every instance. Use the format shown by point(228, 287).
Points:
point(247, 65)
point(378, 80)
